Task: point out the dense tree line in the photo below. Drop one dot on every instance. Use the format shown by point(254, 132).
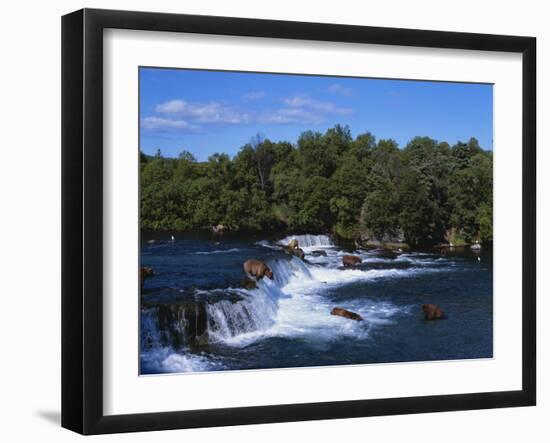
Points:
point(428, 192)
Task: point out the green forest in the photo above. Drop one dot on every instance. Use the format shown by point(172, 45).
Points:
point(425, 193)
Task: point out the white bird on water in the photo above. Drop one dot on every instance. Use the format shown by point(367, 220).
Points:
point(172, 237)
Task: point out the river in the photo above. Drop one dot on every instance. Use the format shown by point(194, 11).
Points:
point(195, 316)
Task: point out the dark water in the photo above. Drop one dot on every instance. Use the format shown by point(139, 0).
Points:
point(196, 317)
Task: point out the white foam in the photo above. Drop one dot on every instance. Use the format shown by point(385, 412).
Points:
point(340, 277)
point(218, 251)
point(167, 360)
point(266, 244)
point(189, 363)
point(256, 312)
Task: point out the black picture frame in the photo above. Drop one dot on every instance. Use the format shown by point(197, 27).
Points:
point(82, 218)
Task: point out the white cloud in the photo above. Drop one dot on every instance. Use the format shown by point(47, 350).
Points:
point(211, 112)
point(171, 106)
point(254, 95)
point(158, 123)
point(339, 89)
point(290, 115)
point(302, 109)
point(187, 116)
point(304, 101)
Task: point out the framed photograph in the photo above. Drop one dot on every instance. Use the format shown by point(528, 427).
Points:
point(269, 221)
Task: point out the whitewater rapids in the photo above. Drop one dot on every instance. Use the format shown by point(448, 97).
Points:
point(293, 305)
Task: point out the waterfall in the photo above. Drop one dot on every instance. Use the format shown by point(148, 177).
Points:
point(226, 319)
point(174, 325)
point(308, 240)
point(285, 270)
point(197, 323)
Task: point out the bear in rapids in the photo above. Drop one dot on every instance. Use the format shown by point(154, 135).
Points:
point(347, 314)
point(350, 260)
point(294, 249)
point(258, 269)
point(293, 244)
point(432, 312)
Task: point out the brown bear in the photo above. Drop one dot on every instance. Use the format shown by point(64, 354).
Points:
point(218, 229)
point(350, 260)
point(145, 272)
point(293, 249)
point(347, 314)
point(432, 312)
point(293, 244)
point(257, 269)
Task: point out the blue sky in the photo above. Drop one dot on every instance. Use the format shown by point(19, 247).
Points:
point(205, 112)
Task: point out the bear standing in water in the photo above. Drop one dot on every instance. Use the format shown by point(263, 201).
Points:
point(350, 260)
point(257, 269)
point(432, 312)
point(293, 248)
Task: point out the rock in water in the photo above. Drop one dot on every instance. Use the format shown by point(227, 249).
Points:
point(350, 260)
point(432, 312)
point(184, 323)
point(386, 253)
point(248, 284)
point(347, 314)
point(299, 252)
point(319, 253)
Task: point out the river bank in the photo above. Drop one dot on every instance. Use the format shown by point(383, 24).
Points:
point(348, 244)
